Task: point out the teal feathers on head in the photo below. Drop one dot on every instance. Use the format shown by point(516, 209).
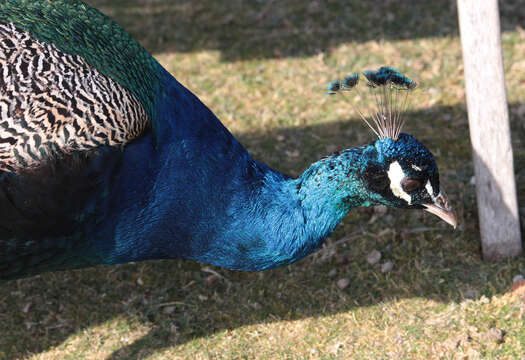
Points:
point(387, 75)
point(351, 81)
point(390, 89)
point(333, 87)
point(347, 84)
point(405, 174)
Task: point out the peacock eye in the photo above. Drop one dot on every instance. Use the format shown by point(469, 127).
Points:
point(410, 185)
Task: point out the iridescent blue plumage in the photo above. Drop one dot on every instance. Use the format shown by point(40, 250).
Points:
point(350, 81)
point(388, 75)
point(347, 84)
point(373, 78)
point(186, 188)
point(333, 87)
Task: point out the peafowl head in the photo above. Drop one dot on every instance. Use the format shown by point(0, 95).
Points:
point(396, 170)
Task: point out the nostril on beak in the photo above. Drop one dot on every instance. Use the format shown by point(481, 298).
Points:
point(442, 201)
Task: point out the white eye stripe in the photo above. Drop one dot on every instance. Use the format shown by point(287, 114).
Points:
point(396, 175)
point(417, 168)
point(429, 189)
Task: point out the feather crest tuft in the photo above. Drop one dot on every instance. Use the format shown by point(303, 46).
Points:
point(390, 89)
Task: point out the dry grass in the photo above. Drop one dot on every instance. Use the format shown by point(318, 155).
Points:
point(262, 68)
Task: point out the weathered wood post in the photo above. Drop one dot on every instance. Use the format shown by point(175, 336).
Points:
point(489, 128)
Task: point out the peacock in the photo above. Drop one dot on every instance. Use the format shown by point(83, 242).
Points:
point(105, 158)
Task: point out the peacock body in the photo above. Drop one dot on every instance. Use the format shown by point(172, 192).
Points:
point(105, 159)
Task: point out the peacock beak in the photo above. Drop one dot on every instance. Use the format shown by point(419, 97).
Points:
point(441, 208)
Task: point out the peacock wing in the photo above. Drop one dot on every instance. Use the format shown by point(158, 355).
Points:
point(53, 103)
point(74, 90)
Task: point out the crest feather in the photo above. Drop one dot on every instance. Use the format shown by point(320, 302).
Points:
point(390, 89)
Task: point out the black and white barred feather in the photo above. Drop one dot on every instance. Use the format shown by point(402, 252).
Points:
point(55, 103)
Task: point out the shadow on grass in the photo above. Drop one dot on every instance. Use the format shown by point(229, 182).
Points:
point(272, 29)
point(175, 302)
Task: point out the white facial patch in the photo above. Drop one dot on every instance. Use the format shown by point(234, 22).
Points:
point(417, 168)
point(396, 175)
point(430, 191)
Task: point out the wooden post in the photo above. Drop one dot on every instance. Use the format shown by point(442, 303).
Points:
point(489, 128)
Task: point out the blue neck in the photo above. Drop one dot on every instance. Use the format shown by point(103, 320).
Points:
point(193, 192)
